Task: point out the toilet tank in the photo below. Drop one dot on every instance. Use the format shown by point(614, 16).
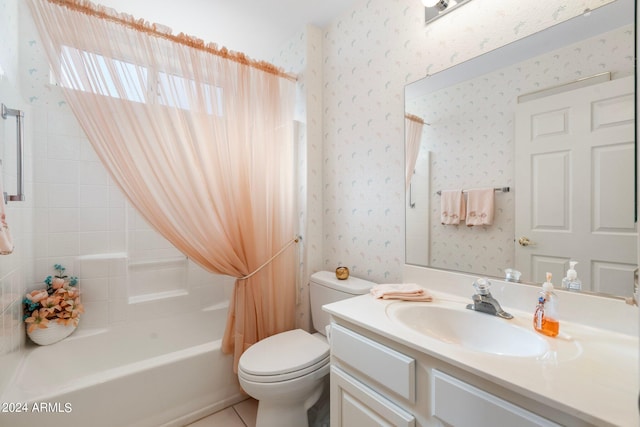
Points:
point(326, 288)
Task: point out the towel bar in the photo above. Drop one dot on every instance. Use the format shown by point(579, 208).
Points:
point(19, 115)
point(500, 189)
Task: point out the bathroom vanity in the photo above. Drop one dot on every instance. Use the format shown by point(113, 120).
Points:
point(437, 364)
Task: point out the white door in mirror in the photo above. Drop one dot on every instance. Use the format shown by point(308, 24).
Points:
point(575, 185)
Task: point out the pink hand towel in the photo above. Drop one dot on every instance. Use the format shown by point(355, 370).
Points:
point(480, 206)
point(452, 207)
point(401, 291)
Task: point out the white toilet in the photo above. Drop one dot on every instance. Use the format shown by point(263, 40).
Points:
point(286, 372)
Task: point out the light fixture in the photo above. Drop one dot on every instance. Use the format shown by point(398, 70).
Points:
point(434, 9)
point(440, 4)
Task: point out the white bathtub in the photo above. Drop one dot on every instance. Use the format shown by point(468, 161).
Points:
point(166, 372)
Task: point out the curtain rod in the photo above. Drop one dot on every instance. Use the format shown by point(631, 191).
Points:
point(88, 8)
point(414, 118)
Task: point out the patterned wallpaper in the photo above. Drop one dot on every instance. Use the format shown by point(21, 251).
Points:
point(303, 56)
point(472, 145)
point(370, 53)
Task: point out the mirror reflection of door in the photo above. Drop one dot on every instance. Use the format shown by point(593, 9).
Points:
point(575, 160)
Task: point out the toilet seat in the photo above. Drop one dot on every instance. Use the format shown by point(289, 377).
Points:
point(283, 357)
point(284, 377)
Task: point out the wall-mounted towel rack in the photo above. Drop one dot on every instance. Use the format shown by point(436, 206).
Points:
point(19, 115)
point(499, 189)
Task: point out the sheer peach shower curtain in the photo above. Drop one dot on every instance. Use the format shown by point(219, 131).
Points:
point(412, 137)
point(199, 139)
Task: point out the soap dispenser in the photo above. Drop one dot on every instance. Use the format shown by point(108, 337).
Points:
point(545, 319)
point(572, 282)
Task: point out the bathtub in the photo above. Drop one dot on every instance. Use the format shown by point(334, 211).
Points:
point(165, 372)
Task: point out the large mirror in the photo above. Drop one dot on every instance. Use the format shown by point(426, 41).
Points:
point(548, 122)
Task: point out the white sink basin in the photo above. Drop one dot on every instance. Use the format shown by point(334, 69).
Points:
point(473, 330)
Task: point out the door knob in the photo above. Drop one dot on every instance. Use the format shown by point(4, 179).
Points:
point(524, 241)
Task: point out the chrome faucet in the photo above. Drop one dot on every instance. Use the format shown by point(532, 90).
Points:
point(484, 302)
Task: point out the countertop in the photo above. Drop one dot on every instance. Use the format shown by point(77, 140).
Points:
point(589, 373)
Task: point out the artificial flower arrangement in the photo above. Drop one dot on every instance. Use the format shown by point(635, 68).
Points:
point(59, 302)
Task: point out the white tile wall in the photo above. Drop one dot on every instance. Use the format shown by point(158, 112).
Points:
point(13, 268)
point(74, 214)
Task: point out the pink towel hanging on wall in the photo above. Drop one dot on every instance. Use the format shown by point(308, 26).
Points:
point(480, 206)
point(452, 207)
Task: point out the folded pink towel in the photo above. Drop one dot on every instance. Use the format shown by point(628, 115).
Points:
point(403, 291)
point(480, 206)
point(452, 207)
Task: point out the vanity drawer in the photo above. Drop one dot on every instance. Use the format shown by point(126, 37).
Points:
point(449, 395)
point(355, 404)
point(389, 367)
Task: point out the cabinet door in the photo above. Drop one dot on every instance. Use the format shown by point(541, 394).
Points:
point(459, 404)
point(355, 404)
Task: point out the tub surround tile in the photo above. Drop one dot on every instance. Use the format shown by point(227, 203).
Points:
point(54, 166)
point(117, 219)
point(92, 267)
point(117, 312)
point(63, 220)
point(208, 295)
point(95, 316)
point(93, 219)
point(62, 196)
point(63, 147)
point(117, 288)
point(87, 153)
point(95, 289)
point(92, 173)
point(94, 242)
point(62, 244)
point(61, 122)
point(94, 196)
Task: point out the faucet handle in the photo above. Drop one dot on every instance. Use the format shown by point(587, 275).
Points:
point(482, 286)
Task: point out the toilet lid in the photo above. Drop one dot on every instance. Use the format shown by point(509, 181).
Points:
point(283, 353)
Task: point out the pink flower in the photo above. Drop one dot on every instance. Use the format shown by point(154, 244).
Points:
point(72, 292)
point(71, 313)
point(37, 296)
point(38, 319)
point(59, 302)
point(73, 307)
point(58, 283)
point(51, 304)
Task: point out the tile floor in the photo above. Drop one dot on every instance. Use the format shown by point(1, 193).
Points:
point(242, 414)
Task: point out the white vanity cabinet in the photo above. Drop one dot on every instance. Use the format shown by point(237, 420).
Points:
point(376, 381)
point(353, 403)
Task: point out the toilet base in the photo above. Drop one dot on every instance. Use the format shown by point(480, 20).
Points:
point(284, 414)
